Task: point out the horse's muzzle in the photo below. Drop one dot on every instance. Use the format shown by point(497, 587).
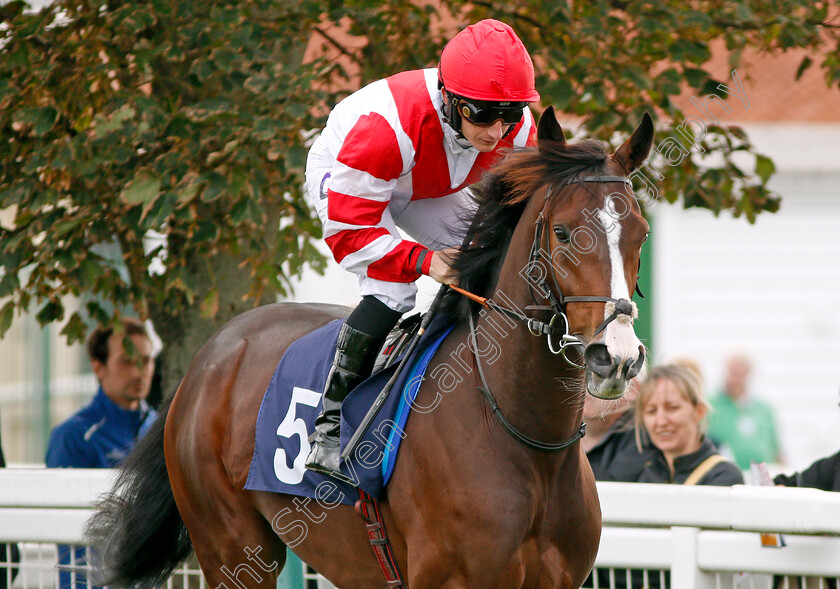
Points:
point(607, 376)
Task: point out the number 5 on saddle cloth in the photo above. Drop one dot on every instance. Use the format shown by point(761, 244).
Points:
point(292, 402)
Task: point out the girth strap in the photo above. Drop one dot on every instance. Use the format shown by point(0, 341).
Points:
point(368, 509)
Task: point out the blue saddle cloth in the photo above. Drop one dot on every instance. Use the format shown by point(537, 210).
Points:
point(292, 401)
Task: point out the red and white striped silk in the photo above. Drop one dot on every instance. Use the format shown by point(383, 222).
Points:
point(388, 145)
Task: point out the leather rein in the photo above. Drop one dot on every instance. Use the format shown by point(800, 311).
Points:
point(557, 305)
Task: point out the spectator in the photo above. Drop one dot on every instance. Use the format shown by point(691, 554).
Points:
point(671, 414)
point(102, 432)
point(823, 474)
point(670, 417)
point(670, 411)
point(611, 445)
point(741, 424)
point(9, 553)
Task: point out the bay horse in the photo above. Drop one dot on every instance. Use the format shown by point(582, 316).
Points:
point(485, 493)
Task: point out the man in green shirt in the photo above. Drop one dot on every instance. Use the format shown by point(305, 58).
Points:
point(741, 424)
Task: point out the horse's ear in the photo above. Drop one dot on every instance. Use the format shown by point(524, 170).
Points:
point(549, 129)
point(635, 150)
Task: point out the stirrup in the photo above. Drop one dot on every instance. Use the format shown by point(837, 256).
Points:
point(315, 465)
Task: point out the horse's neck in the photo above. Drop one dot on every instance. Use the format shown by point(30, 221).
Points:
point(538, 391)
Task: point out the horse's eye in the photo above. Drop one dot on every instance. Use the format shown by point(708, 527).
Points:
point(561, 234)
point(646, 237)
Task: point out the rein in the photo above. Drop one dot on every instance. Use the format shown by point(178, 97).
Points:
point(494, 407)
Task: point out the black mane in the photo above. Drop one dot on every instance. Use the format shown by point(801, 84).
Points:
point(502, 196)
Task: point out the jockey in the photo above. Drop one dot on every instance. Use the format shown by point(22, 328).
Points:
point(401, 152)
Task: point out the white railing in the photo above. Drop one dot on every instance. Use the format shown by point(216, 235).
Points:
point(706, 537)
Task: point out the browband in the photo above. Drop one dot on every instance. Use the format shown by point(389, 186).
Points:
point(623, 179)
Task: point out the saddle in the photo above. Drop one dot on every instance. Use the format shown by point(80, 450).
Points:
point(396, 342)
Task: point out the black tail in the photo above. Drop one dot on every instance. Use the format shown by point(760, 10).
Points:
point(137, 534)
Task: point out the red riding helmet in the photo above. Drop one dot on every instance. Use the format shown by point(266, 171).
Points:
point(487, 61)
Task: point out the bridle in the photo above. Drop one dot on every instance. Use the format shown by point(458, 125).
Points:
point(557, 302)
point(557, 306)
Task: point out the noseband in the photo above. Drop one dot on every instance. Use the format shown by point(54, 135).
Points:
point(557, 302)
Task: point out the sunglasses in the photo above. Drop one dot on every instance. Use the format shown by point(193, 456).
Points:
point(487, 113)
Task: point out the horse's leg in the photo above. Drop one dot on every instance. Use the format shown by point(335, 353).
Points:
point(234, 544)
point(330, 538)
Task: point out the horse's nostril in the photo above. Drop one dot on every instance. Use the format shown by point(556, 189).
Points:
point(599, 360)
point(636, 367)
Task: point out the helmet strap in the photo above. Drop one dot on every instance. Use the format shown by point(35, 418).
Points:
point(450, 112)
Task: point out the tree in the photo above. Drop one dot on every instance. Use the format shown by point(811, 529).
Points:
point(189, 121)
point(182, 118)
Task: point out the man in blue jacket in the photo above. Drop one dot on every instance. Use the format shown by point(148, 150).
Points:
point(103, 432)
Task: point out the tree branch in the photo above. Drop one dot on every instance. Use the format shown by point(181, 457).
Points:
point(334, 43)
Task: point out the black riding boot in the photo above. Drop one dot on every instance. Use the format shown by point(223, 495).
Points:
point(355, 354)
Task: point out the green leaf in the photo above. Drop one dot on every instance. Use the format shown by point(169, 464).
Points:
point(115, 121)
point(215, 186)
point(75, 329)
point(205, 109)
point(743, 11)
point(188, 193)
point(203, 69)
point(156, 212)
point(10, 10)
point(737, 132)
point(651, 25)
point(7, 314)
point(697, 19)
point(4, 87)
point(97, 313)
point(210, 304)
point(764, 167)
point(39, 119)
point(225, 59)
point(9, 283)
point(52, 311)
point(16, 194)
point(141, 189)
point(683, 50)
point(65, 226)
point(804, 65)
point(87, 273)
point(206, 231)
point(695, 77)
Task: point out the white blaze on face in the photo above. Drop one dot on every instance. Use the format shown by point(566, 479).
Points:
point(619, 337)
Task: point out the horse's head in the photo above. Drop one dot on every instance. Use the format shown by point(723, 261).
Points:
point(564, 218)
point(589, 235)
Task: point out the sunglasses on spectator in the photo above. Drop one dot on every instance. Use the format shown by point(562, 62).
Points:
point(487, 113)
